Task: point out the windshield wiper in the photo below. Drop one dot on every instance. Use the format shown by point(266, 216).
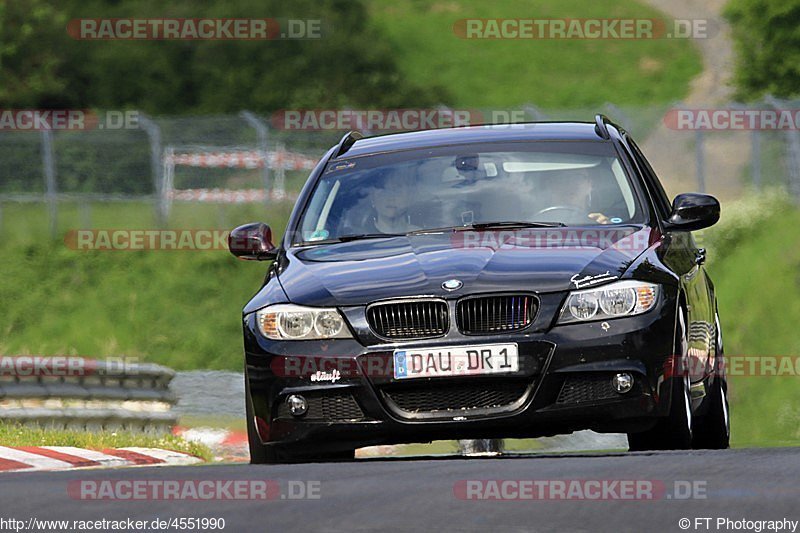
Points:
point(475, 226)
point(354, 237)
point(515, 224)
point(490, 225)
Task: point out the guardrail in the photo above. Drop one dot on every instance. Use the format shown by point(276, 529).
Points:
point(87, 394)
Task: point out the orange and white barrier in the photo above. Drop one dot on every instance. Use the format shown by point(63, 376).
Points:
point(279, 159)
point(37, 458)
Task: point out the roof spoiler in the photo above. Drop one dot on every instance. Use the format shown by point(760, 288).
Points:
point(601, 123)
point(347, 141)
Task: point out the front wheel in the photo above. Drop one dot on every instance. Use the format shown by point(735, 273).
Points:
point(713, 429)
point(673, 432)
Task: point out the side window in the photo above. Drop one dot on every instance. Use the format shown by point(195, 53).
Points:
point(659, 196)
point(318, 210)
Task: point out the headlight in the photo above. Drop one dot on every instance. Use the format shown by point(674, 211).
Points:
point(294, 322)
point(623, 298)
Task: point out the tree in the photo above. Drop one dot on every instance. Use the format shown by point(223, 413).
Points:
point(767, 41)
point(31, 68)
point(353, 65)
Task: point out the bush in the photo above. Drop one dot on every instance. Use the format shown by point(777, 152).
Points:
point(740, 219)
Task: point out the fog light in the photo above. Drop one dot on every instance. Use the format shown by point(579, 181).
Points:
point(297, 405)
point(622, 382)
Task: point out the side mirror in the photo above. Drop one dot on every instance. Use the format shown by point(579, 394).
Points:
point(252, 242)
point(693, 211)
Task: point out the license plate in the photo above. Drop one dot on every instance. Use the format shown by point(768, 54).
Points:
point(456, 361)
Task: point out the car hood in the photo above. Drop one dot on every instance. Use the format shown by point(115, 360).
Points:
point(359, 272)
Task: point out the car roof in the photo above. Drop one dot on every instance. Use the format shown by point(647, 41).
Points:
point(532, 131)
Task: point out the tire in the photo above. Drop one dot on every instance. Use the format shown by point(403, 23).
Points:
point(713, 430)
point(673, 432)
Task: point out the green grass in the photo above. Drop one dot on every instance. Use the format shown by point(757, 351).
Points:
point(17, 435)
point(178, 308)
point(758, 288)
point(231, 423)
point(551, 74)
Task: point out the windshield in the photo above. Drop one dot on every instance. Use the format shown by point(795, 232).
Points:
point(569, 183)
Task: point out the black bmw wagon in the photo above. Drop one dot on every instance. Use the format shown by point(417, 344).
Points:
point(483, 282)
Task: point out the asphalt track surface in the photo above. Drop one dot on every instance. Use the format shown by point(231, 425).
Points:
point(418, 494)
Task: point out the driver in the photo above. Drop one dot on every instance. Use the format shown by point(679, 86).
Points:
point(390, 199)
point(573, 191)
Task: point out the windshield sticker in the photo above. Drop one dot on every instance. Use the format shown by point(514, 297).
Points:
point(344, 165)
point(319, 235)
point(588, 281)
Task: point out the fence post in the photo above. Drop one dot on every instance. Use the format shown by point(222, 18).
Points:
point(793, 149)
point(168, 180)
point(700, 163)
point(794, 158)
point(49, 164)
point(154, 136)
point(280, 176)
point(85, 213)
point(263, 137)
point(755, 161)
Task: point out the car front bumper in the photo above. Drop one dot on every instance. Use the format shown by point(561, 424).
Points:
point(564, 384)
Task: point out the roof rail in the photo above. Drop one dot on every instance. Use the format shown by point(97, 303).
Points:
point(347, 141)
point(601, 123)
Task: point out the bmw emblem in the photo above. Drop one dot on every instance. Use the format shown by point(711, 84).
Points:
point(452, 285)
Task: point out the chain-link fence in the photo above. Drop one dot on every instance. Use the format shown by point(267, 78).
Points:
point(160, 163)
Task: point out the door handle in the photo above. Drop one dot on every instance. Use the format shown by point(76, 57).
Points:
point(700, 256)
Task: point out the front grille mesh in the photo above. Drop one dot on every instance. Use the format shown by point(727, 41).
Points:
point(327, 407)
point(495, 314)
point(586, 388)
point(409, 319)
point(448, 399)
